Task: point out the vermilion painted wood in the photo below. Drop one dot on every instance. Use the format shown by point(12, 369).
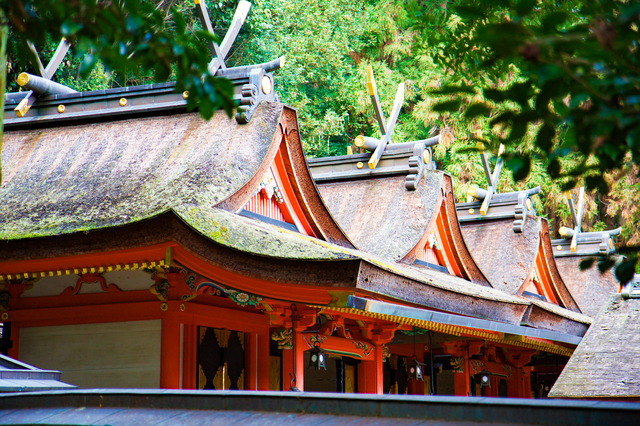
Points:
point(139, 255)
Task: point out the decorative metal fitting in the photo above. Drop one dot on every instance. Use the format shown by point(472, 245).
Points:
point(123, 101)
point(61, 109)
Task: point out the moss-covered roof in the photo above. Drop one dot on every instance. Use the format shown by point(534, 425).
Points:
point(505, 258)
point(379, 215)
point(606, 364)
point(259, 238)
point(589, 288)
point(63, 180)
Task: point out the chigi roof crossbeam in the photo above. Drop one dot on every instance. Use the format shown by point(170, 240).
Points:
point(578, 243)
point(387, 158)
point(47, 100)
point(487, 204)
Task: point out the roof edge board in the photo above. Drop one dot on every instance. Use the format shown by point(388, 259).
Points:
point(373, 306)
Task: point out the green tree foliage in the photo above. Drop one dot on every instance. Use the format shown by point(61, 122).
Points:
point(559, 79)
point(533, 75)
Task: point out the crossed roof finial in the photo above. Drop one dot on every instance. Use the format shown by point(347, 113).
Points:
point(42, 84)
point(386, 127)
point(253, 83)
point(493, 205)
point(583, 243)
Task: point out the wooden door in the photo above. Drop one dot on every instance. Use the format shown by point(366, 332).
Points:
point(220, 359)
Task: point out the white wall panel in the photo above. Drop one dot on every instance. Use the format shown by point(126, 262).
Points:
point(108, 355)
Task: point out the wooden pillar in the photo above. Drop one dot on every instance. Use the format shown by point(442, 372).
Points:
point(461, 378)
point(189, 351)
point(287, 368)
point(526, 381)
point(263, 361)
point(370, 379)
point(251, 361)
point(256, 361)
point(518, 358)
point(461, 350)
point(298, 357)
point(170, 351)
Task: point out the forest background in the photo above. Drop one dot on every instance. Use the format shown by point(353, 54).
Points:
point(329, 43)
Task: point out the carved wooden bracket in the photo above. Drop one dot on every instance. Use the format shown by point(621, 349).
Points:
point(89, 279)
point(518, 357)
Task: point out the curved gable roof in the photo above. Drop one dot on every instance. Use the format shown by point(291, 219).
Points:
point(380, 215)
point(62, 180)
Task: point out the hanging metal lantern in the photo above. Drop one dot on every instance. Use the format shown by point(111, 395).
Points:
point(483, 378)
point(317, 358)
point(415, 369)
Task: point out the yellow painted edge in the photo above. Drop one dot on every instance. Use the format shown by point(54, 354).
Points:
point(371, 82)
point(22, 108)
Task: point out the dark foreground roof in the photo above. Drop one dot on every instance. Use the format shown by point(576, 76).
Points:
point(606, 364)
point(190, 408)
point(16, 376)
point(589, 288)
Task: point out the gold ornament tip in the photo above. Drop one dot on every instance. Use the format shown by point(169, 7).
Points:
point(564, 231)
point(23, 79)
point(283, 60)
point(359, 141)
point(472, 191)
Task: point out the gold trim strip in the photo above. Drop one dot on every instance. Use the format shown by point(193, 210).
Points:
point(458, 331)
point(81, 271)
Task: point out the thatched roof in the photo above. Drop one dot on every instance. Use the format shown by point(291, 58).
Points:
point(382, 217)
point(606, 364)
point(507, 258)
point(102, 187)
point(379, 215)
point(67, 179)
point(589, 288)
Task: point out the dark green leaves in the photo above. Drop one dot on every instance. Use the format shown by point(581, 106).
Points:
point(545, 137)
point(453, 105)
point(587, 263)
point(625, 271)
point(475, 110)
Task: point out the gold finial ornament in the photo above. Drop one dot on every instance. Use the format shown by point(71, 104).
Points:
point(61, 108)
point(472, 191)
point(266, 85)
point(164, 307)
point(471, 211)
point(185, 94)
point(123, 101)
point(559, 247)
point(359, 141)
point(426, 156)
point(22, 79)
point(360, 165)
